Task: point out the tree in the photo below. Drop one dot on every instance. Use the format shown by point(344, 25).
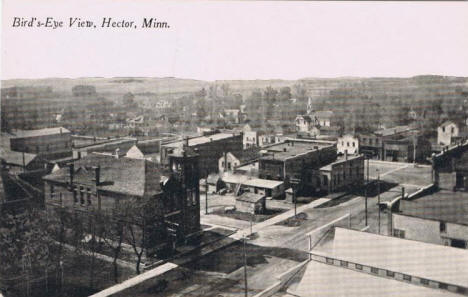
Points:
point(25, 245)
point(226, 89)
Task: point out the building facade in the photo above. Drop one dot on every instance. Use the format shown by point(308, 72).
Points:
point(209, 148)
point(348, 144)
point(49, 143)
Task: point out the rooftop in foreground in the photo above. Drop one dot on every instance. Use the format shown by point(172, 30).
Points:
point(424, 260)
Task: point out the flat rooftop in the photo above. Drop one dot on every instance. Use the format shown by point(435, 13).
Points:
point(39, 132)
point(290, 149)
point(201, 140)
point(341, 159)
point(446, 206)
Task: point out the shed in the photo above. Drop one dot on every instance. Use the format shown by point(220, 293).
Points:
point(251, 203)
point(215, 183)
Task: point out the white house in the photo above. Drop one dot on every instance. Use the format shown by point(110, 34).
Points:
point(446, 131)
point(303, 123)
point(348, 143)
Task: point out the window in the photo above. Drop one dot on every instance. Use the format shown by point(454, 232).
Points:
point(329, 261)
point(390, 273)
point(358, 266)
point(52, 190)
point(443, 129)
point(452, 130)
point(399, 233)
point(229, 165)
point(443, 227)
point(424, 281)
point(75, 198)
point(443, 286)
point(82, 196)
point(222, 164)
point(343, 263)
point(407, 277)
point(347, 144)
point(374, 270)
point(354, 144)
point(88, 197)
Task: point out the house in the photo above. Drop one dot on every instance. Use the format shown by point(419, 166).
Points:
point(251, 203)
point(257, 137)
point(98, 184)
point(438, 218)
point(345, 173)
point(49, 143)
point(365, 264)
point(229, 161)
point(450, 131)
point(348, 144)
point(209, 148)
point(214, 183)
point(303, 123)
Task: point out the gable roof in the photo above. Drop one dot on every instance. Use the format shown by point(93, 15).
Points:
point(127, 176)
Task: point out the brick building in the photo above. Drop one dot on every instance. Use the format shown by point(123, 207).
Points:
point(297, 162)
point(209, 148)
point(98, 184)
point(345, 173)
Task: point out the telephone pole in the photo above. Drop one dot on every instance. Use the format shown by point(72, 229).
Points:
point(245, 271)
point(378, 197)
point(367, 186)
point(206, 195)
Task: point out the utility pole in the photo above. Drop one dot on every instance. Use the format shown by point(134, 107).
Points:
point(295, 201)
point(378, 197)
point(367, 186)
point(206, 195)
point(245, 271)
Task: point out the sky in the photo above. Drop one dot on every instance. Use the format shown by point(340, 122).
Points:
point(212, 40)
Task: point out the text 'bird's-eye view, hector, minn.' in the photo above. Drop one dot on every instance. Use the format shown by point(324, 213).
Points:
point(77, 22)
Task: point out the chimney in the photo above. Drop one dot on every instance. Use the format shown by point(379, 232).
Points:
point(97, 175)
point(72, 173)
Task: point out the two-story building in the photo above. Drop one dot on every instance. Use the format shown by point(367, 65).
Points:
point(297, 162)
point(347, 172)
point(209, 148)
point(348, 144)
point(99, 184)
point(450, 131)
